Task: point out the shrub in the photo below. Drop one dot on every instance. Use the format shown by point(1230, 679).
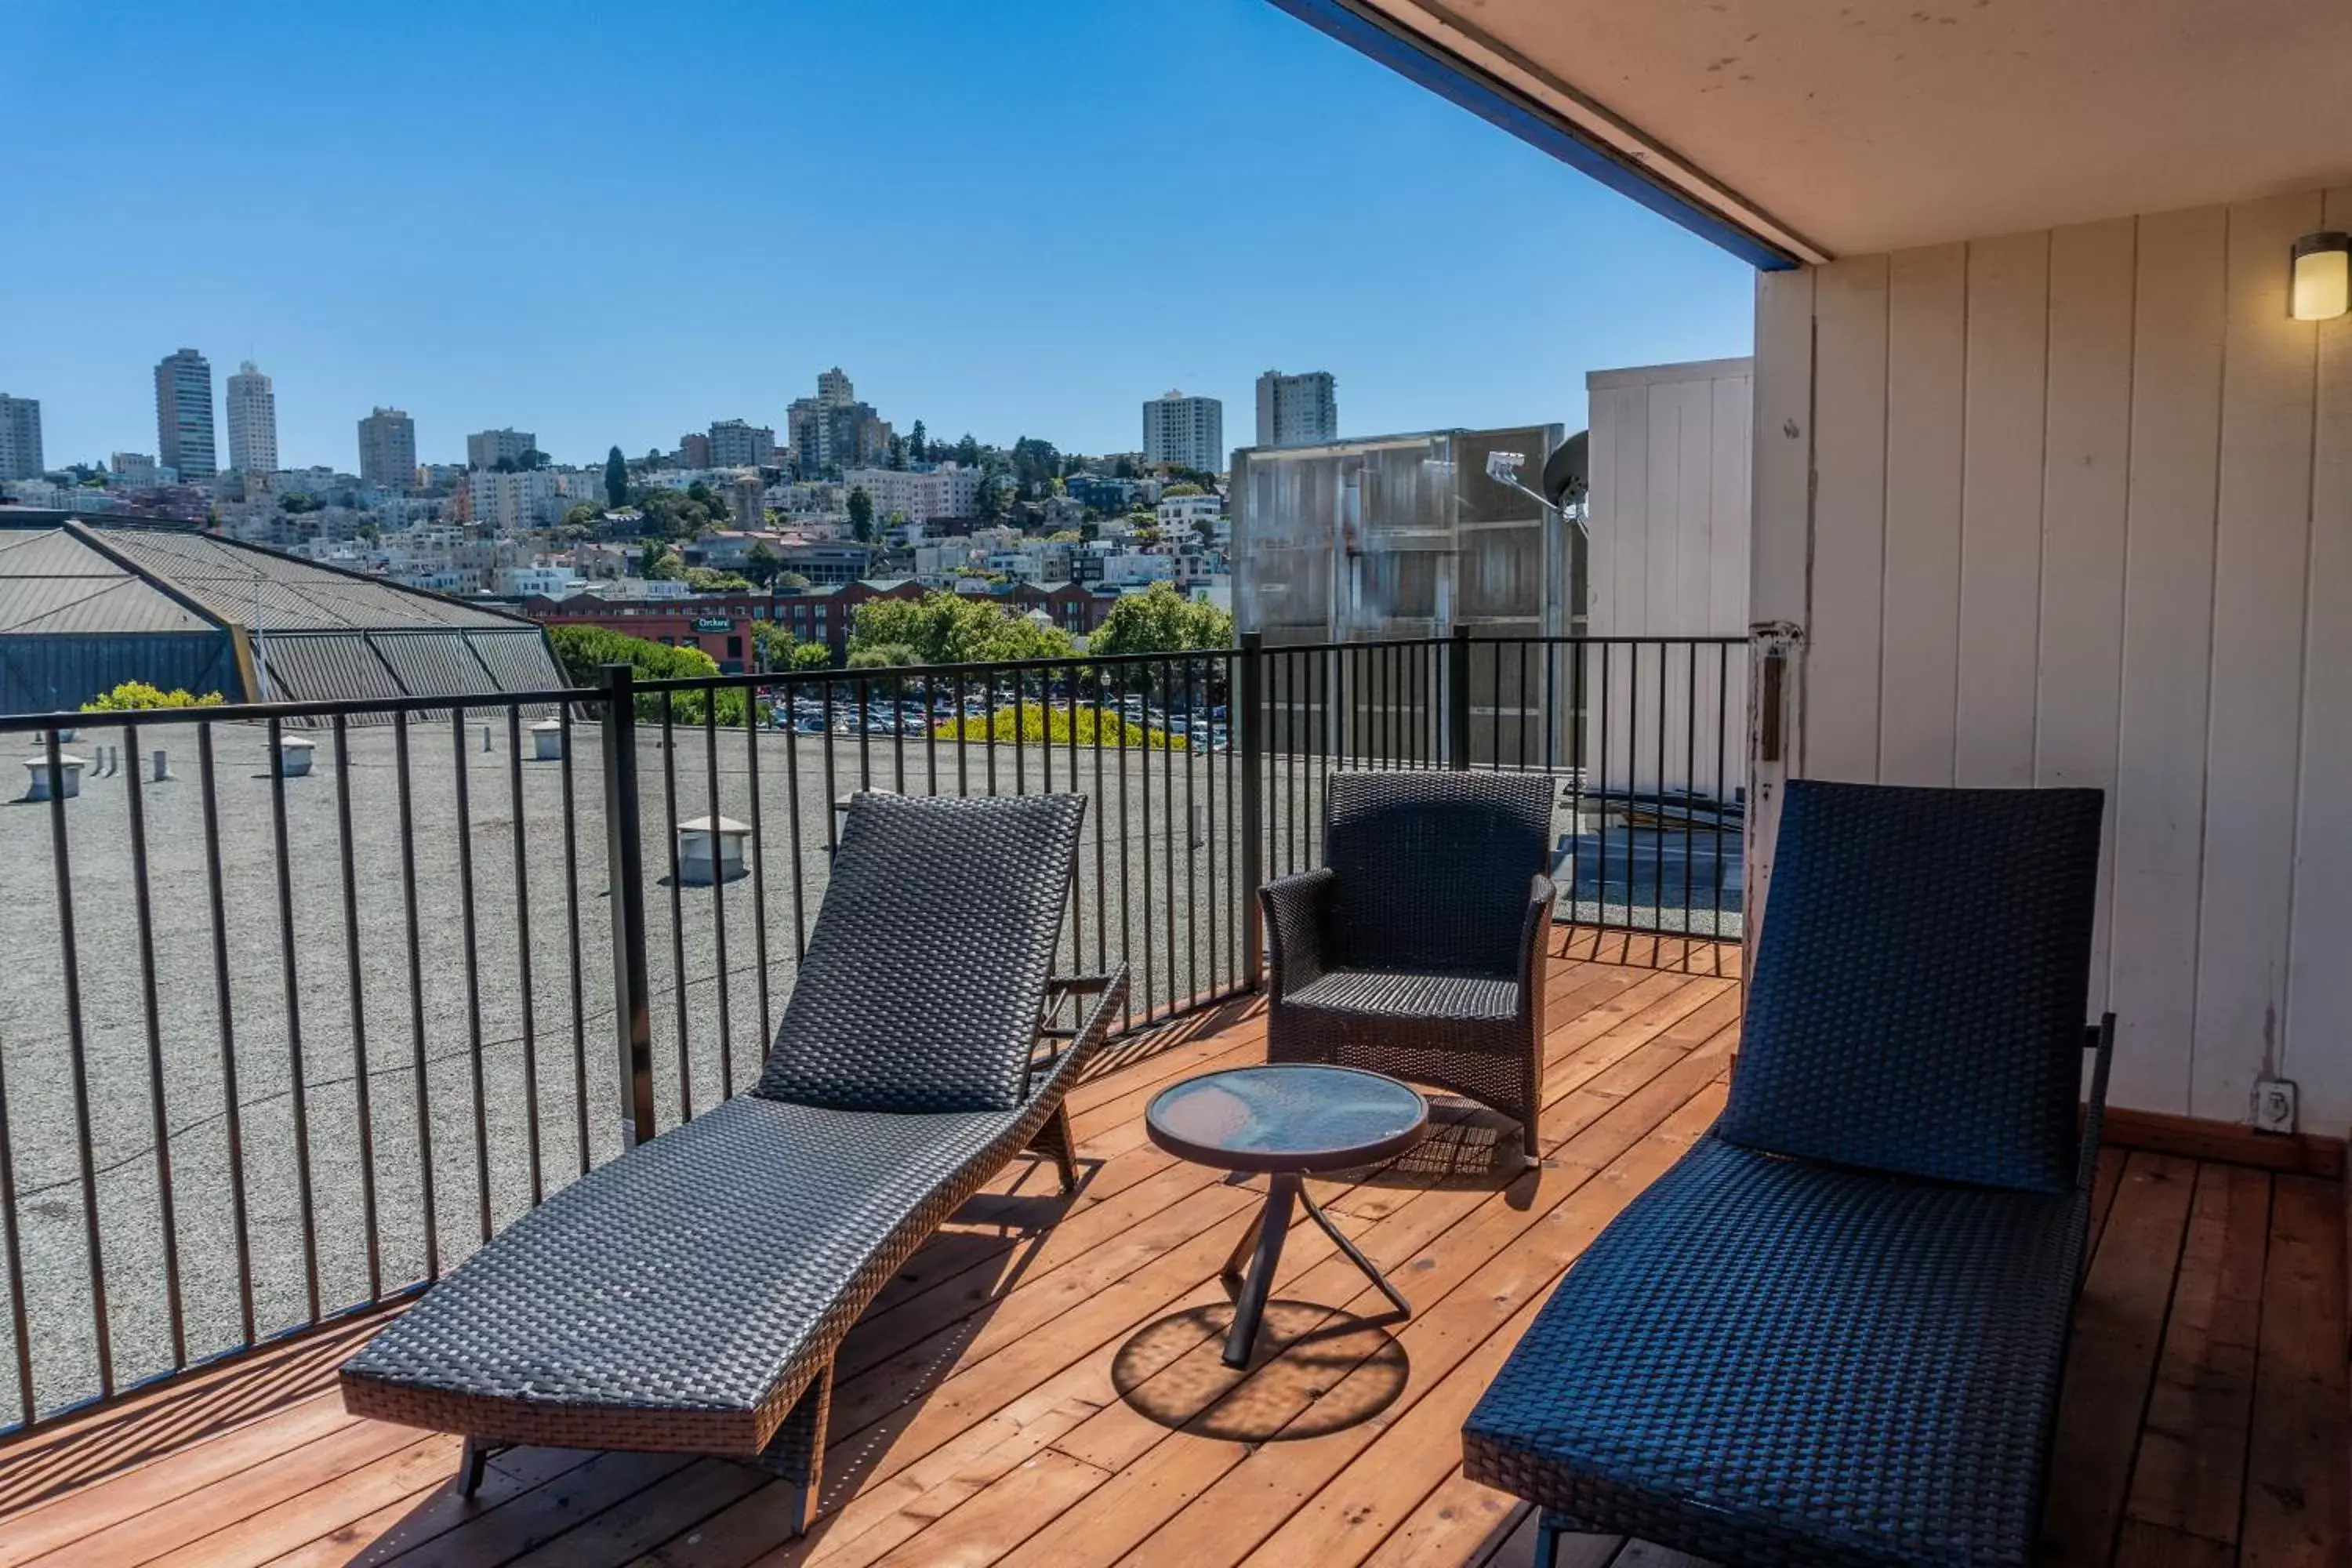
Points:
point(584, 649)
point(1036, 723)
point(132, 695)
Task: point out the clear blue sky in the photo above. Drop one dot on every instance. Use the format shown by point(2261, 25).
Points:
point(615, 223)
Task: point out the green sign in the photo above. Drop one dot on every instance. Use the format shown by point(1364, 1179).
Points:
point(713, 623)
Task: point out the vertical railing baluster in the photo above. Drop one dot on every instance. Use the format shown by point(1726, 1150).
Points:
point(793, 813)
point(61, 866)
point(12, 1252)
point(528, 997)
point(625, 887)
point(677, 903)
point(832, 786)
point(159, 1122)
point(298, 1085)
point(1600, 797)
point(572, 936)
point(1209, 842)
point(416, 1049)
point(759, 858)
point(363, 1099)
point(1722, 784)
point(1101, 813)
point(931, 734)
point(1658, 834)
point(1126, 917)
point(719, 890)
point(473, 975)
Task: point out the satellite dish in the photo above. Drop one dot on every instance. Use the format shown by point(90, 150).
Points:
point(1567, 473)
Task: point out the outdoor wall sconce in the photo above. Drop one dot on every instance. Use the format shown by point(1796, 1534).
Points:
point(2320, 286)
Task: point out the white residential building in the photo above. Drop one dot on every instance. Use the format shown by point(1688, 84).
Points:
point(917, 495)
point(1184, 515)
point(521, 497)
point(252, 423)
point(485, 447)
point(1187, 431)
point(1297, 410)
point(539, 579)
point(1133, 568)
point(738, 444)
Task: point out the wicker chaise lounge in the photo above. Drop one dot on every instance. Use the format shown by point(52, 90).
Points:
point(1834, 1332)
point(1416, 948)
point(689, 1296)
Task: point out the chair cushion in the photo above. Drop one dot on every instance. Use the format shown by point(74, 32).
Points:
point(1917, 1000)
point(1409, 993)
point(1432, 868)
point(1762, 1351)
point(693, 1275)
point(926, 972)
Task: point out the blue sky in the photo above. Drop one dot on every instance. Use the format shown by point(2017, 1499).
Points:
point(615, 223)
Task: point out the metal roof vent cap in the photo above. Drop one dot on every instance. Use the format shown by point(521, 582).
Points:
point(294, 756)
point(68, 772)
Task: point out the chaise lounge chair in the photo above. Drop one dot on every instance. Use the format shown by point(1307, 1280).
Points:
point(1834, 1332)
point(688, 1296)
point(1416, 948)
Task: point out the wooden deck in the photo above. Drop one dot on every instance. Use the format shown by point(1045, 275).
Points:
point(1043, 1387)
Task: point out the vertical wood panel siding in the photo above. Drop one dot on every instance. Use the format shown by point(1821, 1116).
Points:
point(2079, 511)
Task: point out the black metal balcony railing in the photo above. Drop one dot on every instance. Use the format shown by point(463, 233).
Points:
point(275, 1047)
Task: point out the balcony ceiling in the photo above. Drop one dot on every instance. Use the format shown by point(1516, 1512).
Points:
point(1844, 126)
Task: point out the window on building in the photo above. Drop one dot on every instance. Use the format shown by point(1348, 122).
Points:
point(735, 648)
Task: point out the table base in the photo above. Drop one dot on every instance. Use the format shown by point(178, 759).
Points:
point(1262, 1245)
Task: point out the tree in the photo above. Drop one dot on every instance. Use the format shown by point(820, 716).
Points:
point(918, 445)
point(297, 503)
point(132, 696)
point(1183, 488)
point(616, 478)
point(1161, 620)
point(760, 564)
point(861, 515)
point(944, 628)
point(778, 649)
point(583, 650)
point(711, 580)
point(583, 516)
point(896, 455)
point(658, 563)
point(968, 451)
point(990, 503)
point(532, 458)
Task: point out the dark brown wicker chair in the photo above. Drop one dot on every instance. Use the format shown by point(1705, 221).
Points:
point(1416, 950)
point(1834, 1332)
point(688, 1296)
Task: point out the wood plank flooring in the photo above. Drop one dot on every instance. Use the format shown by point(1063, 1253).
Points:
point(1042, 1386)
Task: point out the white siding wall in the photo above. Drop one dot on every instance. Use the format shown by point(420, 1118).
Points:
point(2074, 507)
point(1667, 556)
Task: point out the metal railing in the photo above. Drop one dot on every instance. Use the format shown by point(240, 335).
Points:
point(282, 1041)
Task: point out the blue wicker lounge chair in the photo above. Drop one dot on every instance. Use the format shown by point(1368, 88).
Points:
point(1834, 1332)
point(688, 1296)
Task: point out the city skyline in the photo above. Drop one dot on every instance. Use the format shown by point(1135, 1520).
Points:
point(1444, 275)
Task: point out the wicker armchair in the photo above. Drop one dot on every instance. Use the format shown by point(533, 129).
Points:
point(1834, 1332)
point(689, 1296)
point(1416, 950)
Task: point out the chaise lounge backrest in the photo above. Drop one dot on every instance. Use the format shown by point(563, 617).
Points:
point(926, 974)
point(1916, 1006)
point(1432, 868)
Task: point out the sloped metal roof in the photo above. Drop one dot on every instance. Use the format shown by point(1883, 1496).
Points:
point(325, 666)
point(52, 582)
point(244, 585)
point(433, 662)
point(517, 659)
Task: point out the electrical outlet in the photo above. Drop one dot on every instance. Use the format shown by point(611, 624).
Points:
point(2274, 1105)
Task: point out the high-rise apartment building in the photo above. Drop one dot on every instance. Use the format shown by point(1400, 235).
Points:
point(133, 470)
point(737, 444)
point(20, 438)
point(833, 430)
point(484, 448)
point(252, 422)
point(694, 450)
point(183, 416)
point(1187, 431)
point(1297, 410)
point(388, 449)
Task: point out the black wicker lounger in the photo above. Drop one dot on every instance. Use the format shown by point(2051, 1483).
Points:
point(1834, 1332)
point(688, 1296)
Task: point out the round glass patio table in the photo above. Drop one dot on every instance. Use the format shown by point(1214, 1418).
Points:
point(1288, 1122)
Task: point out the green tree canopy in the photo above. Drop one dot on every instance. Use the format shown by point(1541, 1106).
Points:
point(584, 515)
point(133, 695)
point(917, 445)
point(585, 650)
point(861, 515)
point(778, 649)
point(1184, 488)
point(658, 563)
point(942, 627)
point(616, 478)
point(1161, 620)
point(711, 580)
